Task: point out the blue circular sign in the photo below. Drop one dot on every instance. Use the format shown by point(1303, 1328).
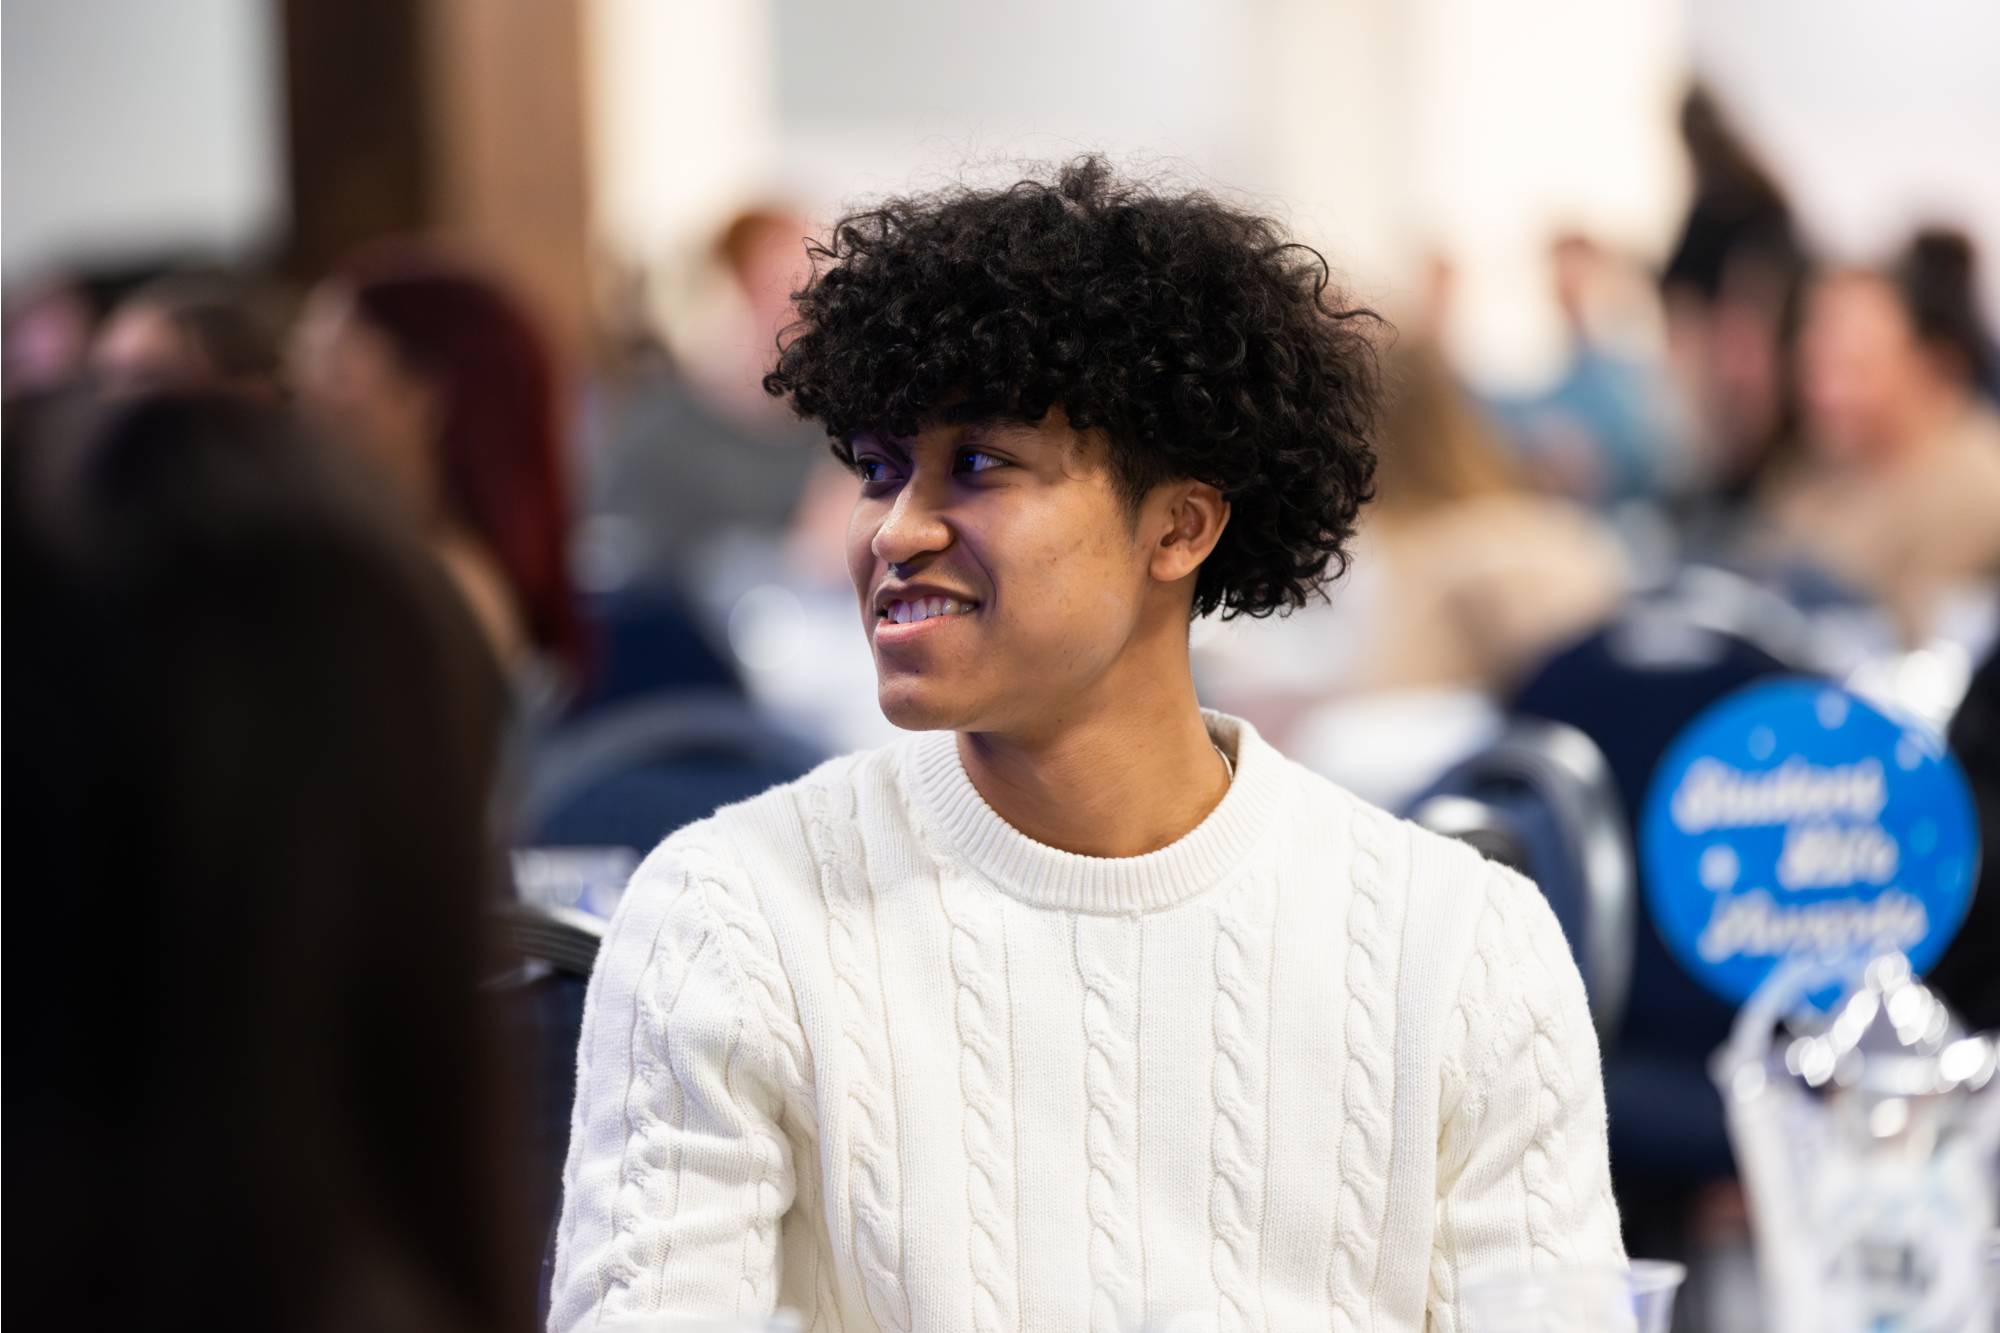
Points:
point(1793, 819)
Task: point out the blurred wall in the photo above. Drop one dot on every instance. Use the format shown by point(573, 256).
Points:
point(1381, 132)
point(886, 94)
point(683, 114)
point(131, 129)
point(1533, 119)
point(1472, 132)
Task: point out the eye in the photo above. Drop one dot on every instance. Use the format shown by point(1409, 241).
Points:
point(978, 460)
point(873, 471)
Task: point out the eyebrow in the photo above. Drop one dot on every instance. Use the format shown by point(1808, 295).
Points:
point(1004, 431)
point(973, 432)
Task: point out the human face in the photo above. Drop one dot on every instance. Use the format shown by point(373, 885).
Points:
point(1036, 573)
point(348, 373)
point(1859, 366)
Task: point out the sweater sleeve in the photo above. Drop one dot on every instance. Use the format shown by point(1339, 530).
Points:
point(678, 1170)
point(1524, 1177)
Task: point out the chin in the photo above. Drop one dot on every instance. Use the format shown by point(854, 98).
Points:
point(922, 706)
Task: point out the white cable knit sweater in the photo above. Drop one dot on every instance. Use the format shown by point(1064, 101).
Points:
point(860, 1049)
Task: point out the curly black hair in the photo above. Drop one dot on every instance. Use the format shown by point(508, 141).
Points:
point(1202, 341)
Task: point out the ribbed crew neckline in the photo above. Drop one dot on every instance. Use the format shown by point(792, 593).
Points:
point(1049, 877)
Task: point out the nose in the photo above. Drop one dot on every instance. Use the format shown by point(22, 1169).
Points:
point(913, 528)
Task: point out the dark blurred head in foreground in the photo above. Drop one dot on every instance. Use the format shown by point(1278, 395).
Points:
point(445, 383)
point(250, 733)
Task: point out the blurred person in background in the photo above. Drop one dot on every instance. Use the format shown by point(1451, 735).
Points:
point(252, 1080)
point(52, 320)
point(930, 1038)
point(1464, 579)
point(1898, 493)
point(1607, 431)
point(445, 383)
point(190, 331)
point(1731, 290)
point(47, 337)
point(690, 465)
point(1736, 205)
point(1483, 576)
point(697, 487)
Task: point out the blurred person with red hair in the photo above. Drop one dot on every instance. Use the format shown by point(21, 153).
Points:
point(1900, 494)
point(444, 380)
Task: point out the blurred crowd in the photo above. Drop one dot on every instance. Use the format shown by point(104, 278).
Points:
point(319, 597)
point(1821, 435)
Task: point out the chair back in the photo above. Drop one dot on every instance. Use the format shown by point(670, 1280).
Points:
point(542, 1004)
point(1541, 799)
point(628, 774)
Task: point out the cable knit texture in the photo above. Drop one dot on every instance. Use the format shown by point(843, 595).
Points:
point(979, 1006)
point(854, 951)
point(860, 1050)
point(1238, 1083)
point(1107, 962)
point(1364, 1080)
point(747, 937)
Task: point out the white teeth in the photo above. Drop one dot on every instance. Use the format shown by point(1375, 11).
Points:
point(910, 613)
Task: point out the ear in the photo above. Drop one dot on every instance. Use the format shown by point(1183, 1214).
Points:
point(1193, 517)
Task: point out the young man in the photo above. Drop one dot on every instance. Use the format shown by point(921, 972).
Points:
point(1081, 1009)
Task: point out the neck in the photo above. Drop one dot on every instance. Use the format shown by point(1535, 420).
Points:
point(1128, 771)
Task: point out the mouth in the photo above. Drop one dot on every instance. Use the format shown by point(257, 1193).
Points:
point(913, 611)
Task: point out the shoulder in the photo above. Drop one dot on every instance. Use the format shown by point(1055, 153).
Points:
point(1450, 900)
point(763, 854)
point(1519, 986)
point(722, 897)
point(1517, 928)
point(784, 832)
point(1436, 873)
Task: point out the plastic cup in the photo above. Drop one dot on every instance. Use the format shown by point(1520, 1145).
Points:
point(1577, 1300)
